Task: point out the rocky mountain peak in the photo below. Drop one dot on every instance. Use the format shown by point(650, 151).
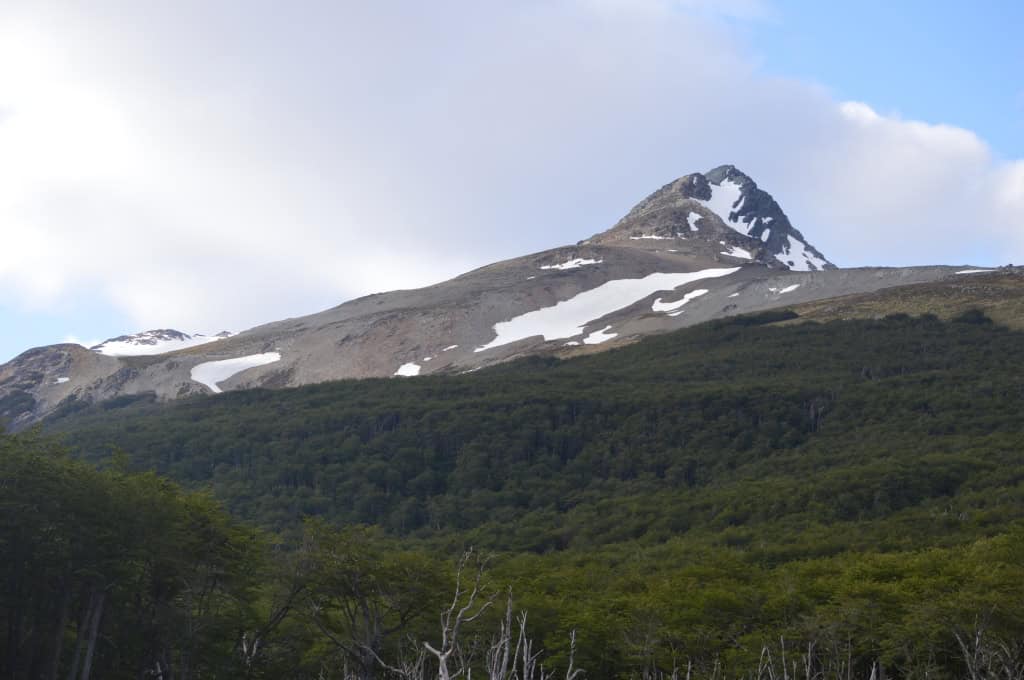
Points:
point(722, 207)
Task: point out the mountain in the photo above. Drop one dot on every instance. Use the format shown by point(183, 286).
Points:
point(702, 247)
point(723, 207)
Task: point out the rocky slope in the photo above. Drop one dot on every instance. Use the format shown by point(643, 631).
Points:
point(702, 247)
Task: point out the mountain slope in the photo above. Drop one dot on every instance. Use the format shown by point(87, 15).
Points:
point(744, 426)
point(702, 247)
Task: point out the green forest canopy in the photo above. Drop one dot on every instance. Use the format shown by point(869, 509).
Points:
point(852, 485)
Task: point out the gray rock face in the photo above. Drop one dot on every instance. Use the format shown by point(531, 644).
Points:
point(721, 208)
point(673, 261)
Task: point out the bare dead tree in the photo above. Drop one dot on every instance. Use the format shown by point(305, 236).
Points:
point(463, 610)
point(986, 656)
point(501, 652)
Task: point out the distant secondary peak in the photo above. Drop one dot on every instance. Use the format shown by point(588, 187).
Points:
point(157, 341)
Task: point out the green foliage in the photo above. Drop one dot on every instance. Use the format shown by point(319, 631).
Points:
point(89, 556)
point(850, 492)
point(725, 431)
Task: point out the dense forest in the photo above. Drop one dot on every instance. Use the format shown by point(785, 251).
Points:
point(756, 497)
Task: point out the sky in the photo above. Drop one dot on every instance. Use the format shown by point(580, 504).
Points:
point(208, 166)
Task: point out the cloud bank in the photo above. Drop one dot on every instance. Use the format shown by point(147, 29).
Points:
point(216, 165)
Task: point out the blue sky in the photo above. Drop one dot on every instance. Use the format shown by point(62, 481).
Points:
point(209, 166)
point(944, 61)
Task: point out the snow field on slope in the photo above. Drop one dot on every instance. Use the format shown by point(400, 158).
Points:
point(408, 370)
point(567, 318)
point(132, 349)
point(723, 200)
point(691, 219)
point(597, 337)
point(975, 271)
point(801, 258)
point(660, 306)
point(736, 251)
point(571, 264)
point(212, 372)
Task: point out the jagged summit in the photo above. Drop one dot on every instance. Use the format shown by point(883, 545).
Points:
point(722, 212)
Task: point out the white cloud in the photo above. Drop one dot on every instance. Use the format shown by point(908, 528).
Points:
point(215, 165)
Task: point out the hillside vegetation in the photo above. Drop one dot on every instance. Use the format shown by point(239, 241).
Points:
point(848, 493)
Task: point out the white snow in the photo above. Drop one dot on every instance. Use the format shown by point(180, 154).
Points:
point(975, 271)
point(572, 343)
point(572, 264)
point(660, 306)
point(691, 219)
point(734, 295)
point(723, 201)
point(736, 251)
point(135, 348)
point(408, 370)
point(530, 277)
point(568, 317)
point(449, 348)
point(211, 373)
point(767, 220)
point(650, 236)
point(787, 289)
point(61, 381)
point(765, 235)
point(427, 358)
point(597, 337)
point(799, 258)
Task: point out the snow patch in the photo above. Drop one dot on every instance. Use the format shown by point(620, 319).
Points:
point(597, 337)
point(211, 373)
point(571, 264)
point(449, 348)
point(568, 317)
point(765, 235)
point(799, 257)
point(408, 370)
point(723, 201)
point(735, 295)
point(787, 289)
point(572, 343)
point(650, 236)
point(660, 306)
point(61, 381)
point(975, 271)
point(691, 219)
point(146, 344)
point(736, 251)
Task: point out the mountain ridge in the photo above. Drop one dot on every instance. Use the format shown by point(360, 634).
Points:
point(692, 251)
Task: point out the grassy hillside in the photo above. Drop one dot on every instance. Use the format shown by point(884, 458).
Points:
point(999, 294)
